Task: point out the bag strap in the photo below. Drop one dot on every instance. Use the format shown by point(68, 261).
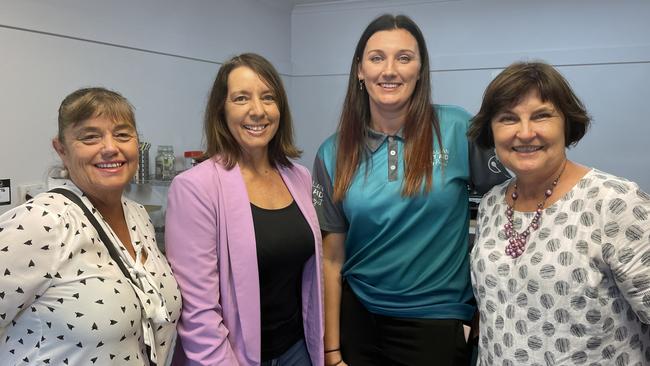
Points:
point(93, 220)
point(104, 238)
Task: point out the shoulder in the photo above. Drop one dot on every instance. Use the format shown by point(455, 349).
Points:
point(297, 176)
point(328, 147)
point(610, 187)
point(50, 204)
point(452, 114)
point(494, 194)
point(201, 176)
point(299, 170)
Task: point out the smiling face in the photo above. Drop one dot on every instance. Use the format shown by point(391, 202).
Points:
point(251, 111)
point(390, 69)
point(529, 137)
point(101, 155)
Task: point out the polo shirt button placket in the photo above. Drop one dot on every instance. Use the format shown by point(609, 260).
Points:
point(392, 159)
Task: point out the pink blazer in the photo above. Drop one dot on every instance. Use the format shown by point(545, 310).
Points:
point(210, 244)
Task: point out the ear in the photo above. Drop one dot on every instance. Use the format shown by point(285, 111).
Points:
point(359, 72)
point(58, 147)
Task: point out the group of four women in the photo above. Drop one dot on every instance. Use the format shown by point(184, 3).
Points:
point(367, 263)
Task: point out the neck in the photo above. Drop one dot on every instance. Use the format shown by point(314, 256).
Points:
point(109, 205)
point(255, 163)
point(533, 187)
point(387, 122)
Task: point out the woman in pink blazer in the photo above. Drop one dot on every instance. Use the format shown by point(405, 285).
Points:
point(242, 235)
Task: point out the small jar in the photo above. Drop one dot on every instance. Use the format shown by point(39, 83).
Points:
point(165, 162)
point(192, 158)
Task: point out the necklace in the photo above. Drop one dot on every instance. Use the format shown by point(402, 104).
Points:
point(517, 241)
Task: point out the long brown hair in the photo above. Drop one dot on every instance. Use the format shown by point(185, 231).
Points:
point(220, 141)
point(422, 122)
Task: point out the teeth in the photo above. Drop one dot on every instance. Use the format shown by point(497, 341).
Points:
point(389, 85)
point(109, 165)
point(255, 127)
point(527, 148)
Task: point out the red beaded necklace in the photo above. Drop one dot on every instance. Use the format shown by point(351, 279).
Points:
point(517, 241)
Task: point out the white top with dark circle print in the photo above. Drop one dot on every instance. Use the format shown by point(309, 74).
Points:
point(63, 300)
point(580, 293)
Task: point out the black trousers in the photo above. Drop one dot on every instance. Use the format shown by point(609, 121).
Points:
point(376, 340)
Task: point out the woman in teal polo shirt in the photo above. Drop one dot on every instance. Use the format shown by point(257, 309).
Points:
point(390, 188)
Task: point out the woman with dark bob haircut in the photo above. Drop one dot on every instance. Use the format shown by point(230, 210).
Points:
point(241, 232)
point(560, 266)
point(390, 188)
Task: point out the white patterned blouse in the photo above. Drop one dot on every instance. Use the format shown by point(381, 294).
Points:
point(580, 292)
point(64, 301)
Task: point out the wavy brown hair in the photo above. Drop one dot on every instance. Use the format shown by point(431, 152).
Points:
point(421, 126)
point(220, 142)
point(513, 84)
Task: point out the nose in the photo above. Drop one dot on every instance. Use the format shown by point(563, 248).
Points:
point(257, 108)
point(109, 144)
point(526, 130)
point(389, 69)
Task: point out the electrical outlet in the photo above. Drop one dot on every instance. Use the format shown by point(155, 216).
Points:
point(28, 191)
point(5, 192)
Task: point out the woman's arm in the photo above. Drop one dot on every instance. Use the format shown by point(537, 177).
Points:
point(626, 243)
point(191, 236)
point(333, 258)
point(30, 247)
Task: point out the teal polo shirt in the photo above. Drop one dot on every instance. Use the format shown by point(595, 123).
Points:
point(405, 257)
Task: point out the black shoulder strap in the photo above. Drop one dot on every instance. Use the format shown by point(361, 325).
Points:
point(102, 234)
point(107, 243)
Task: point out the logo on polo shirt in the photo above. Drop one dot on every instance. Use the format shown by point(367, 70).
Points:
point(441, 158)
point(317, 193)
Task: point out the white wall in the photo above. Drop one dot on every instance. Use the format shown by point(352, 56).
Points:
point(161, 55)
point(602, 47)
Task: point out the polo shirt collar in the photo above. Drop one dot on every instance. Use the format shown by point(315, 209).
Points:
point(374, 139)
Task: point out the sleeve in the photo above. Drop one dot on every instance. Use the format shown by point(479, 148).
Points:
point(30, 240)
point(626, 245)
point(485, 170)
point(330, 214)
point(191, 235)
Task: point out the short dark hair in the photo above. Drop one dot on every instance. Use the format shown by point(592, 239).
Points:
point(220, 141)
point(513, 84)
point(86, 103)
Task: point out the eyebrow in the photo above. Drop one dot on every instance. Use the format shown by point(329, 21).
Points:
point(398, 51)
point(117, 126)
point(243, 91)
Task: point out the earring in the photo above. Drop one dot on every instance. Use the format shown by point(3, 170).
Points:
point(361, 84)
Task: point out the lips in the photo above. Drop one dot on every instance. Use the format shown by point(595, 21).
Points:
point(111, 165)
point(256, 128)
point(390, 85)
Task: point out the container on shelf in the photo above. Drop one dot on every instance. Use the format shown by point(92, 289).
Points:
point(165, 163)
point(192, 158)
point(142, 175)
